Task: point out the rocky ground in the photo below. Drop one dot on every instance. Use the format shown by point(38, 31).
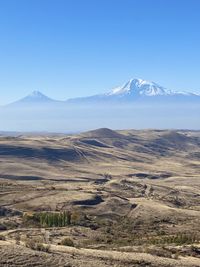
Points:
point(133, 198)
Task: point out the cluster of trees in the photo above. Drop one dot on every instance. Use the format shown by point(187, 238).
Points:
point(49, 219)
point(55, 219)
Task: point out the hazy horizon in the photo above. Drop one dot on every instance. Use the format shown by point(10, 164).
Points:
point(81, 118)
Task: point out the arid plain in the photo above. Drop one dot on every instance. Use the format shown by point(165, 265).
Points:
point(104, 197)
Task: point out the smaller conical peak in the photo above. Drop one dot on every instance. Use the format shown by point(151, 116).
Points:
point(36, 96)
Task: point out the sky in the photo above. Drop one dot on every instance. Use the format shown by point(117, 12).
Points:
point(70, 48)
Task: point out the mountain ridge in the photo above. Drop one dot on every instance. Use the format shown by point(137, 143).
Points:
point(132, 90)
point(138, 90)
point(148, 88)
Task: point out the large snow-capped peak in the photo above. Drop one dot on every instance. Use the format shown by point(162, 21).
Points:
point(140, 87)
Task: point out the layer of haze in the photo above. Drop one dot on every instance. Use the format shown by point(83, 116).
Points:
point(82, 118)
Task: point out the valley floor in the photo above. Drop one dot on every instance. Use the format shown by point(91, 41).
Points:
point(106, 198)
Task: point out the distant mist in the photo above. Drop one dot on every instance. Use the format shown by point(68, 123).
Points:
point(76, 118)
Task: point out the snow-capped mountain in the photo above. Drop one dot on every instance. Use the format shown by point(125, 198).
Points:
point(34, 98)
point(140, 87)
point(140, 90)
point(37, 95)
point(136, 104)
point(135, 90)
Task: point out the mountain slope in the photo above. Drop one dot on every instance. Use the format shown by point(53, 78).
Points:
point(138, 89)
point(34, 98)
point(133, 90)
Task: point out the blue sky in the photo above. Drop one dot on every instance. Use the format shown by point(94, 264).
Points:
point(69, 48)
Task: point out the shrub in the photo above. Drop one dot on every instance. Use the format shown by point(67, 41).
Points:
point(3, 227)
point(41, 247)
point(158, 251)
point(36, 245)
point(2, 238)
point(31, 218)
point(17, 239)
point(67, 242)
point(107, 176)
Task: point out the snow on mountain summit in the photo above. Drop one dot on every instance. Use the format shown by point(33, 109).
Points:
point(36, 94)
point(35, 97)
point(133, 90)
point(138, 90)
point(140, 87)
